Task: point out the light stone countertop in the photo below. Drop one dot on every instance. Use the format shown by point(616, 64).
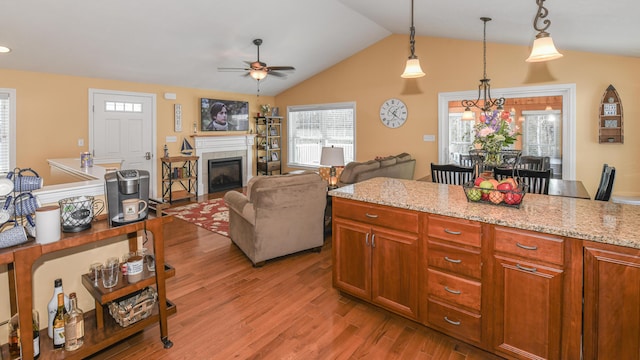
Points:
point(604, 222)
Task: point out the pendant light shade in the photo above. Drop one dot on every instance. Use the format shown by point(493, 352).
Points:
point(412, 70)
point(543, 47)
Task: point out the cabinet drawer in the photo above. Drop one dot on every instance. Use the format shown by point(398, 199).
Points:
point(531, 245)
point(454, 259)
point(403, 220)
point(457, 230)
point(454, 289)
point(456, 322)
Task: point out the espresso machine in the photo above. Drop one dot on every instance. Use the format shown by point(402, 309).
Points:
point(122, 185)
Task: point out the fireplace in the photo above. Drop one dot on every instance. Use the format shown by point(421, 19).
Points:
point(224, 174)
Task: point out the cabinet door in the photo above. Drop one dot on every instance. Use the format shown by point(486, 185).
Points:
point(352, 258)
point(611, 305)
point(394, 271)
point(527, 309)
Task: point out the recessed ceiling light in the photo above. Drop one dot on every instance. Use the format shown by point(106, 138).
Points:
point(4, 49)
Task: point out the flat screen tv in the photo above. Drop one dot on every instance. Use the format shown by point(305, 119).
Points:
point(224, 115)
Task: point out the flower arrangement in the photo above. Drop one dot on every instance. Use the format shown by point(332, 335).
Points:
point(493, 131)
point(265, 109)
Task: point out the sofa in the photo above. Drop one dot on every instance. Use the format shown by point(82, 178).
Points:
point(400, 166)
point(279, 215)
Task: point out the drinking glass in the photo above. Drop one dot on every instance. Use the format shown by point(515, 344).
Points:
point(95, 272)
point(110, 274)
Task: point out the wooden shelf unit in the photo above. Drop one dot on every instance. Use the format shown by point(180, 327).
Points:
point(96, 337)
point(185, 174)
point(268, 144)
point(610, 118)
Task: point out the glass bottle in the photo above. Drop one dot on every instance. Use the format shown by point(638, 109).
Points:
point(73, 325)
point(14, 336)
point(36, 334)
point(58, 324)
point(52, 307)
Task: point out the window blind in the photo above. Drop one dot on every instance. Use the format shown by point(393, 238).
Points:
point(5, 132)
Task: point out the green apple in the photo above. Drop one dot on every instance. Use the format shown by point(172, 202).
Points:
point(474, 194)
point(486, 186)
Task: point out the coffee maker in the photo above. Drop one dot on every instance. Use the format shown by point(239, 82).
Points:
point(122, 185)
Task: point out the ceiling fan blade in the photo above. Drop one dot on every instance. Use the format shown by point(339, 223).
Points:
point(232, 69)
point(277, 74)
point(281, 68)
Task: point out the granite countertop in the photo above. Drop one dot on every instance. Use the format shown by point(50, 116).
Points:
point(604, 222)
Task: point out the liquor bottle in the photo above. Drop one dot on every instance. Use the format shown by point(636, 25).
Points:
point(36, 334)
point(14, 336)
point(53, 305)
point(73, 325)
point(58, 324)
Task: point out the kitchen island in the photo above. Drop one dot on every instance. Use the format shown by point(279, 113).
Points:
point(510, 281)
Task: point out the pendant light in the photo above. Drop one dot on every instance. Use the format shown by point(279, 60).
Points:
point(543, 47)
point(413, 69)
point(484, 89)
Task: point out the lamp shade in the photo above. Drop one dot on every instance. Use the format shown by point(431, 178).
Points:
point(258, 74)
point(543, 50)
point(468, 114)
point(332, 156)
point(412, 69)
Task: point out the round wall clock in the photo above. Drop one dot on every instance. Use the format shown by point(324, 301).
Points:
point(393, 113)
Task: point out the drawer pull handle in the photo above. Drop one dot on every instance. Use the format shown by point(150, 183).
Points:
point(455, 261)
point(366, 240)
point(371, 216)
point(456, 292)
point(456, 323)
point(528, 269)
point(452, 232)
point(526, 247)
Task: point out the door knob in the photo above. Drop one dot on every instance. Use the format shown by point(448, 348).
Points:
point(147, 155)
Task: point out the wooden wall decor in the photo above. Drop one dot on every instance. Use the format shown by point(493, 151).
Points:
point(610, 122)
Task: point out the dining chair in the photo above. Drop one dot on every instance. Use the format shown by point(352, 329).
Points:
point(535, 162)
point(466, 160)
point(537, 181)
point(606, 183)
point(451, 174)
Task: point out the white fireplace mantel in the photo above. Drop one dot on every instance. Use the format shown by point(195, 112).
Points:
point(224, 143)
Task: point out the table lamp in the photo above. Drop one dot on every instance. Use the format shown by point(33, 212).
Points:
point(332, 156)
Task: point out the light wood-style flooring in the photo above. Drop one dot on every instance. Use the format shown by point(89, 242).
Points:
point(287, 309)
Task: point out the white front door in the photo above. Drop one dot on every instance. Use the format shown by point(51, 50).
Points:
point(122, 128)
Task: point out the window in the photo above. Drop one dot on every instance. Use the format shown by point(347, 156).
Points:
point(7, 130)
point(312, 127)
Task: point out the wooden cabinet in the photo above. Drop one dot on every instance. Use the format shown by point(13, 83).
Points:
point(375, 255)
point(269, 144)
point(181, 171)
point(528, 294)
point(611, 310)
point(101, 330)
point(610, 118)
point(452, 290)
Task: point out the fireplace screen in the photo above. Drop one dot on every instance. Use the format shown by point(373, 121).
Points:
point(225, 174)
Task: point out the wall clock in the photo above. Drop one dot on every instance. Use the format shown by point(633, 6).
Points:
point(393, 113)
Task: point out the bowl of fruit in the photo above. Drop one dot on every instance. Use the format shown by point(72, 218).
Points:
point(506, 192)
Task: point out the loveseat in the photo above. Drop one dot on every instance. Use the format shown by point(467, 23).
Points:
point(279, 215)
point(400, 166)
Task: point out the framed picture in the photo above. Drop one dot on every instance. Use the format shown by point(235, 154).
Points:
point(274, 156)
point(273, 131)
point(275, 111)
point(274, 144)
point(224, 115)
point(610, 109)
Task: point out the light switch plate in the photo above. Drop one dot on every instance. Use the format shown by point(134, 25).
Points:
point(429, 138)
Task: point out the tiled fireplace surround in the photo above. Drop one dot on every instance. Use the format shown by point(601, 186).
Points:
point(222, 147)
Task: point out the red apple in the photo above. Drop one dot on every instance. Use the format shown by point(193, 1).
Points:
point(478, 181)
point(512, 198)
point(505, 186)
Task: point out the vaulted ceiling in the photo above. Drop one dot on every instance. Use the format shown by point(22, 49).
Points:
point(182, 43)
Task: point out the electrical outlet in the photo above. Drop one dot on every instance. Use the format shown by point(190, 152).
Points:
point(80, 142)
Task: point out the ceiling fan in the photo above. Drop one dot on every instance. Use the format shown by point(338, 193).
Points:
point(259, 70)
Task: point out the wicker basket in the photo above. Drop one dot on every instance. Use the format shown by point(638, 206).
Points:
point(134, 308)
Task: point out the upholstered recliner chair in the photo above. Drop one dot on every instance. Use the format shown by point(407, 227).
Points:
point(280, 215)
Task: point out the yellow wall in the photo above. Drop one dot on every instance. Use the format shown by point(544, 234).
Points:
point(373, 75)
point(52, 114)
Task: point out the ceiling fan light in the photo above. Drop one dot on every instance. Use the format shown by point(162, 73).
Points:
point(543, 49)
point(258, 74)
point(412, 70)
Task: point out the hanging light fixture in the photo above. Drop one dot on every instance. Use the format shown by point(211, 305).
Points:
point(413, 69)
point(484, 89)
point(543, 47)
point(258, 74)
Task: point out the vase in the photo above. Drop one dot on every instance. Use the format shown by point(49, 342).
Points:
point(493, 153)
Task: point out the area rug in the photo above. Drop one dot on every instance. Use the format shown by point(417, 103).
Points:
point(212, 215)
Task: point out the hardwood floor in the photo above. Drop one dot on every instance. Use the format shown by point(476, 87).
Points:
point(286, 309)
